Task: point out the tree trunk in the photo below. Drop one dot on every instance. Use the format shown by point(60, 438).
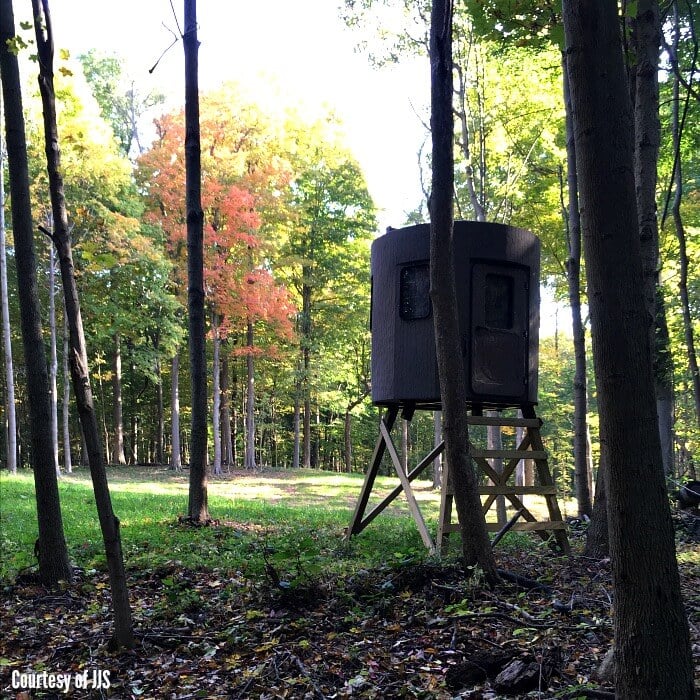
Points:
point(306, 367)
point(476, 547)
point(198, 509)
point(494, 441)
point(297, 428)
point(250, 403)
point(404, 445)
point(109, 523)
point(216, 393)
point(53, 365)
point(646, 36)
point(347, 437)
point(118, 413)
point(11, 453)
point(160, 419)
point(597, 543)
point(465, 145)
point(54, 564)
point(175, 454)
point(573, 278)
point(226, 437)
point(679, 228)
point(437, 439)
point(652, 645)
point(67, 458)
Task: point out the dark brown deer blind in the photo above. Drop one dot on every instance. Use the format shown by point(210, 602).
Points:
point(497, 276)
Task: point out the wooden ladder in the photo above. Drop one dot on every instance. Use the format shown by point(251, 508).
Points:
point(530, 447)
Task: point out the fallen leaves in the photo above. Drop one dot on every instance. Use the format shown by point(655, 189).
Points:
point(404, 630)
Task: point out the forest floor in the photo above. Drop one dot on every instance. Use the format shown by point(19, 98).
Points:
point(403, 625)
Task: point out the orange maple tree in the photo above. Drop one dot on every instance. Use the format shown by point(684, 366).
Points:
point(237, 180)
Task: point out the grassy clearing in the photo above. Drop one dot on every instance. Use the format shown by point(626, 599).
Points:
point(293, 520)
point(287, 519)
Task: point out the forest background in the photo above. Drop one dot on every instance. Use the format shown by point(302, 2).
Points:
point(290, 216)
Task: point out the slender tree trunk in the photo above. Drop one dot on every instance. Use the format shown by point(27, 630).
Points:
point(347, 437)
point(198, 509)
point(53, 363)
point(679, 228)
point(306, 368)
point(297, 428)
point(175, 454)
point(216, 393)
point(573, 278)
point(597, 544)
point(67, 458)
point(54, 564)
point(465, 145)
point(404, 445)
point(118, 413)
point(476, 547)
point(646, 36)
point(234, 416)
point(160, 420)
point(226, 437)
point(520, 468)
point(437, 439)
point(11, 453)
point(250, 403)
point(652, 645)
point(109, 523)
point(494, 441)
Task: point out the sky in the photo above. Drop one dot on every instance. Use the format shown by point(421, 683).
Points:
point(301, 50)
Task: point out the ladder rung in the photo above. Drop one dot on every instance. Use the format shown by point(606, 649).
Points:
point(509, 454)
point(517, 490)
point(511, 422)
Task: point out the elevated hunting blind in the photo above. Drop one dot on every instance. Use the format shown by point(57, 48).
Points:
point(497, 271)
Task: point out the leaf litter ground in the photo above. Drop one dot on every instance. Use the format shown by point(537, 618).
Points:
point(411, 628)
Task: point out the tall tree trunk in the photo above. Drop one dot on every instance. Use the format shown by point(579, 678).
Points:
point(476, 547)
point(679, 228)
point(573, 278)
point(652, 645)
point(175, 454)
point(646, 36)
point(404, 445)
point(494, 441)
point(520, 467)
point(67, 458)
point(297, 427)
point(109, 523)
point(11, 452)
point(54, 564)
point(160, 418)
point(437, 439)
point(226, 437)
point(216, 393)
point(347, 438)
point(465, 145)
point(53, 364)
point(597, 543)
point(118, 412)
point(306, 369)
point(198, 508)
point(250, 403)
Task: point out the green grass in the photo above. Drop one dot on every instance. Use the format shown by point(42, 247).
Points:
point(291, 520)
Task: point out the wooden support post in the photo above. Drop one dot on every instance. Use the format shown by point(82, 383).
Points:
point(356, 525)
